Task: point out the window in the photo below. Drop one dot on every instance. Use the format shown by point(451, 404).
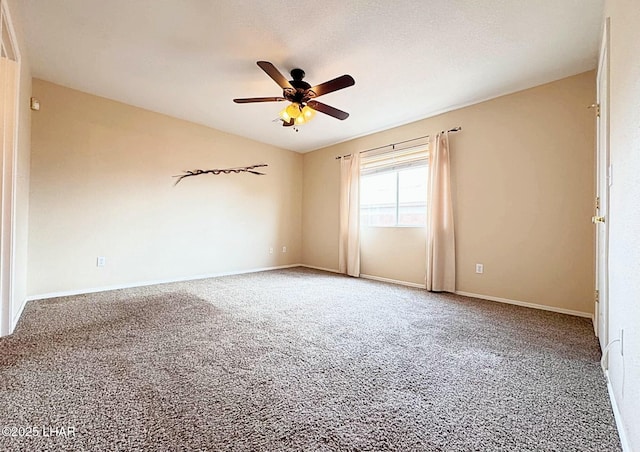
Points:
point(393, 190)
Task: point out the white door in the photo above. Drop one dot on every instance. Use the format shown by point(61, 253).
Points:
point(603, 182)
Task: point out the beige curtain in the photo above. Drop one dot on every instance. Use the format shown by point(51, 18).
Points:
point(441, 257)
point(349, 254)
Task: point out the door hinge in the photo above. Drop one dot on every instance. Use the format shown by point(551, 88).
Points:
point(596, 295)
point(597, 108)
point(597, 202)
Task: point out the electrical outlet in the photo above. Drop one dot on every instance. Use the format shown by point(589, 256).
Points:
point(101, 261)
point(479, 268)
point(284, 249)
point(271, 250)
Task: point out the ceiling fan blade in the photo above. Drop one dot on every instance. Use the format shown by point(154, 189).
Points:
point(249, 100)
point(275, 74)
point(344, 81)
point(287, 124)
point(328, 110)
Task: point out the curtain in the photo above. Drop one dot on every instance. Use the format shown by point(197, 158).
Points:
point(441, 259)
point(349, 253)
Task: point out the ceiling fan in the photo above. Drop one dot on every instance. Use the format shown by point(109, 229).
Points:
point(301, 95)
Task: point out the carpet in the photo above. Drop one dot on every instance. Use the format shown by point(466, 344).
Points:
point(303, 360)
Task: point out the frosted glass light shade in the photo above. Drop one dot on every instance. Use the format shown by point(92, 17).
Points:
point(285, 116)
point(293, 110)
point(308, 112)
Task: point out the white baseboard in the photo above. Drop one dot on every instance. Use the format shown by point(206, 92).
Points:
point(319, 268)
point(67, 293)
point(626, 447)
point(375, 278)
point(526, 304)
point(468, 294)
point(17, 315)
point(393, 281)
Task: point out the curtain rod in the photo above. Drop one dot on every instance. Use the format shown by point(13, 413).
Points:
point(393, 145)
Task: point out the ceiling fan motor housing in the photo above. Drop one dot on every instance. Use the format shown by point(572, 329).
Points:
point(302, 93)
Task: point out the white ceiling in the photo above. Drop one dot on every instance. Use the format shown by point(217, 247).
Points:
point(410, 59)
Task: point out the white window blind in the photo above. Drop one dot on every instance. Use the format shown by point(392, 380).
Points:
point(394, 160)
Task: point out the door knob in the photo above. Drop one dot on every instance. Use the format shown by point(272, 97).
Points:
point(597, 219)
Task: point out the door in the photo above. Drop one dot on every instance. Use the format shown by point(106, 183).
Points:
point(603, 182)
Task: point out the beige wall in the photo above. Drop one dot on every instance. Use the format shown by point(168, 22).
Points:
point(624, 215)
point(394, 253)
point(321, 209)
point(102, 185)
point(523, 174)
point(21, 213)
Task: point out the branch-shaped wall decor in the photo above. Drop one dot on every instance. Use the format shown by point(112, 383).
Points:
point(215, 172)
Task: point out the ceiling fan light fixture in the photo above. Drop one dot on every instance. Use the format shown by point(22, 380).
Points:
point(294, 110)
point(298, 113)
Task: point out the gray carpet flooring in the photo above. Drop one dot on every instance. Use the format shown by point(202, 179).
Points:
point(299, 360)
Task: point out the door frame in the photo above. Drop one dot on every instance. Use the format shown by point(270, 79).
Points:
point(8, 181)
point(603, 183)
